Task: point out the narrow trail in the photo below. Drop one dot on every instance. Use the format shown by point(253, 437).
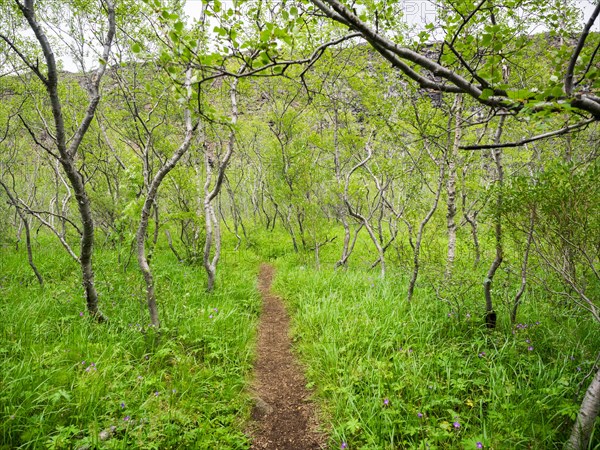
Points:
point(284, 418)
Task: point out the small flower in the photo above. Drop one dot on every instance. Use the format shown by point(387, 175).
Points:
point(81, 314)
point(122, 405)
point(140, 377)
point(420, 415)
point(216, 310)
point(479, 445)
point(530, 348)
point(344, 445)
point(468, 316)
point(528, 341)
point(578, 369)
point(386, 402)
point(572, 358)
point(126, 418)
point(174, 391)
point(83, 363)
point(456, 425)
point(210, 317)
point(156, 394)
point(481, 354)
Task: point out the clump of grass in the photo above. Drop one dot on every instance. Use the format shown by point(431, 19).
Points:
point(68, 382)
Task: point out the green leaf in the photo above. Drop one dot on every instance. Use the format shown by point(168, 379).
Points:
point(486, 93)
point(136, 48)
point(178, 26)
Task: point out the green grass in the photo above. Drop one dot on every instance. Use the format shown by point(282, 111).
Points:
point(387, 374)
point(64, 379)
point(391, 374)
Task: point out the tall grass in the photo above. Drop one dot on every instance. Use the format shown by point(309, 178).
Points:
point(68, 382)
point(427, 374)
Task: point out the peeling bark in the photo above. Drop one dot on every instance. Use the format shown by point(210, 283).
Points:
point(586, 418)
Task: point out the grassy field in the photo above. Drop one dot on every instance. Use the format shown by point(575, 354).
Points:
point(67, 382)
point(427, 374)
point(386, 373)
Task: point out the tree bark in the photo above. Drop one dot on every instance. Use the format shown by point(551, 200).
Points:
point(213, 230)
point(451, 186)
point(490, 314)
point(586, 418)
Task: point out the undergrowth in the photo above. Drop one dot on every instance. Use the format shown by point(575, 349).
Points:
point(427, 374)
point(68, 382)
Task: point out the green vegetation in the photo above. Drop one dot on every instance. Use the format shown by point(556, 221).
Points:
point(426, 374)
point(65, 381)
point(429, 195)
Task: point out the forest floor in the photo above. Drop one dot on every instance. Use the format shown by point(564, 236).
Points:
point(284, 417)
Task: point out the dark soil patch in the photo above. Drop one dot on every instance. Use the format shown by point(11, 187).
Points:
point(284, 417)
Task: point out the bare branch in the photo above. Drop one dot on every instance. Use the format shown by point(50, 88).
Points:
point(562, 131)
point(577, 51)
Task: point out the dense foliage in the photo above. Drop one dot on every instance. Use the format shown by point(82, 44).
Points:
point(428, 195)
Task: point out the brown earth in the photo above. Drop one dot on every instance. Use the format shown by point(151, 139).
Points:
point(284, 417)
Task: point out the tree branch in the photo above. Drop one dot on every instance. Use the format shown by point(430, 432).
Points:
point(562, 131)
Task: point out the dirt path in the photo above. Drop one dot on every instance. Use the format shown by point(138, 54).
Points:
point(284, 417)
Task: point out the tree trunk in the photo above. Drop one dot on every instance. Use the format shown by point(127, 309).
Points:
point(490, 314)
point(147, 209)
point(451, 186)
point(586, 418)
point(25, 224)
point(213, 231)
point(417, 246)
point(517, 300)
point(67, 148)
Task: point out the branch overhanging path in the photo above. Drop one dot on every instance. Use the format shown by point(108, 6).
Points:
point(283, 414)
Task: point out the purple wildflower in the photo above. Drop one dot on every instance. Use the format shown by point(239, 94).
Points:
point(156, 394)
point(81, 314)
point(126, 418)
point(344, 445)
point(386, 402)
point(530, 348)
point(481, 354)
point(420, 415)
point(479, 445)
point(122, 405)
point(210, 317)
point(456, 425)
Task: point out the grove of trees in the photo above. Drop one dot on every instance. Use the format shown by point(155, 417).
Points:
point(458, 156)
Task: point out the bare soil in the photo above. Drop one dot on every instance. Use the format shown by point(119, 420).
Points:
point(284, 417)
